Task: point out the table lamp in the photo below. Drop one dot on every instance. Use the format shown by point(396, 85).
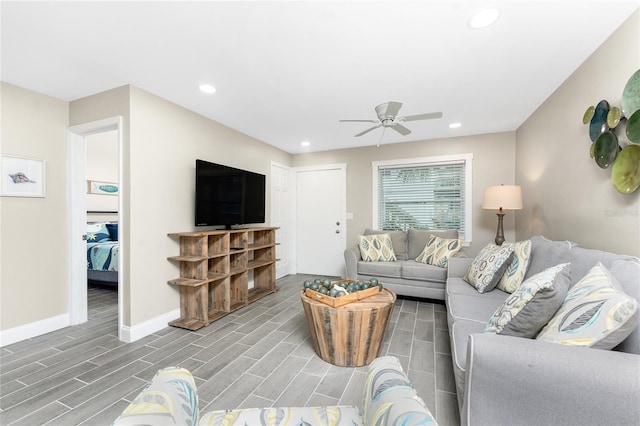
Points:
point(502, 197)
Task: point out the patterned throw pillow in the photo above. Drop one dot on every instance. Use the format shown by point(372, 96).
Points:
point(530, 307)
point(376, 248)
point(97, 232)
point(488, 266)
point(515, 273)
point(438, 251)
point(596, 313)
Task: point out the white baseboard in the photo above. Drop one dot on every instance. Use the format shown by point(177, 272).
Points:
point(131, 334)
point(34, 329)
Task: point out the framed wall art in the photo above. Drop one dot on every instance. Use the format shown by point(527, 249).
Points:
point(102, 188)
point(22, 177)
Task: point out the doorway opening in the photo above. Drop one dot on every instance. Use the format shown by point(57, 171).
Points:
point(79, 190)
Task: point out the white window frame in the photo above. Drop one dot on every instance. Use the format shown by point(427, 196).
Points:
point(430, 161)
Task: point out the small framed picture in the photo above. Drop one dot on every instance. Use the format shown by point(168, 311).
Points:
point(22, 177)
point(102, 188)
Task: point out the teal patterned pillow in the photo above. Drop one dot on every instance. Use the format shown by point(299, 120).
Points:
point(528, 309)
point(438, 251)
point(97, 232)
point(488, 266)
point(596, 313)
point(376, 248)
point(514, 275)
point(170, 398)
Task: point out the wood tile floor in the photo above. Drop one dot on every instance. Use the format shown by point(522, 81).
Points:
point(258, 356)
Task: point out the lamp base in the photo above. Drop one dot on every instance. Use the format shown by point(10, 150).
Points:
point(500, 233)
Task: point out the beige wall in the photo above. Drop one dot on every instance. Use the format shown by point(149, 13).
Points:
point(165, 141)
point(33, 277)
point(566, 195)
point(493, 164)
point(102, 166)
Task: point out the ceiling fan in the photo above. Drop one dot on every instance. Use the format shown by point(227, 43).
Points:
point(387, 117)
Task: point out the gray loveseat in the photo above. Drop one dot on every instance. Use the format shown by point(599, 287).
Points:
point(505, 380)
point(405, 276)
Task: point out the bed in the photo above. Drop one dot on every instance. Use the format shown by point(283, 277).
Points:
point(102, 253)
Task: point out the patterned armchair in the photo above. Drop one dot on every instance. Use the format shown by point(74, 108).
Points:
point(389, 398)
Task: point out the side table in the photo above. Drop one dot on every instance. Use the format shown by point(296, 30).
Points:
point(349, 335)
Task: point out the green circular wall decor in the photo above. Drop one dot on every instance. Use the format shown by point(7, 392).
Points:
point(625, 173)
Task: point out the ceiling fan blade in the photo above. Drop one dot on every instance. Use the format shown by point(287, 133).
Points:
point(400, 129)
point(388, 109)
point(368, 130)
point(359, 121)
point(428, 116)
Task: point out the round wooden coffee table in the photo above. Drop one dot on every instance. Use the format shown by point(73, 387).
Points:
point(349, 335)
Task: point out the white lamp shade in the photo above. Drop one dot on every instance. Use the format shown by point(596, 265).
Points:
point(506, 197)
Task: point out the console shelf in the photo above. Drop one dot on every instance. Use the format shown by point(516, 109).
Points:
point(216, 268)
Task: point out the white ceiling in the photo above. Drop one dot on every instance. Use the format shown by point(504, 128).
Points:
point(288, 71)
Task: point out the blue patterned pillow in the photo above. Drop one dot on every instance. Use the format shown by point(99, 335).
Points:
point(530, 307)
point(97, 232)
point(488, 266)
point(113, 231)
point(596, 313)
point(514, 275)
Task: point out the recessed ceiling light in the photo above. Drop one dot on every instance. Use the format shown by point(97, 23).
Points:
point(207, 88)
point(484, 18)
point(454, 125)
point(305, 143)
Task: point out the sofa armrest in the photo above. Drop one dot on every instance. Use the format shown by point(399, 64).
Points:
point(170, 399)
point(517, 381)
point(351, 258)
point(458, 266)
point(390, 398)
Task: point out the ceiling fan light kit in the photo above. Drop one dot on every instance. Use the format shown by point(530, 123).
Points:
point(388, 117)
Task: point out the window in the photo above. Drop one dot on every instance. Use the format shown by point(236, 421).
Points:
point(423, 193)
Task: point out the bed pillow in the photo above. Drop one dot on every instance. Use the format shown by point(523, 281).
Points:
point(376, 248)
point(514, 275)
point(113, 231)
point(488, 266)
point(532, 305)
point(97, 232)
point(438, 251)
point(596, 313)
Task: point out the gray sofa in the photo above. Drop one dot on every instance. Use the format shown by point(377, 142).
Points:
point(405, 277)
point(505, 380)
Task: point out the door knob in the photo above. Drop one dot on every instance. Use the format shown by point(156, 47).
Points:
point(337, 231)
point(338, 223)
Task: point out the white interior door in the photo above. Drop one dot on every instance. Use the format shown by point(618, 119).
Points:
point(320, 208)
point(281, 216)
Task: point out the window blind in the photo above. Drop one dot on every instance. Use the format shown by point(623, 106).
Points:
point(424, 196)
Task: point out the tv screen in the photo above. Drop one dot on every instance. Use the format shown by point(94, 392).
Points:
point(228, 196)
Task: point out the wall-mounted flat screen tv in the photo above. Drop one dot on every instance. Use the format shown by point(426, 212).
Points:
point(228, 196)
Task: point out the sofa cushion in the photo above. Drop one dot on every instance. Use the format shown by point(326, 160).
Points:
point(380, 269)
point(398, 240)
point(283, 416)
point(390, 398)
point(473, 306)
point(412, 270)
point(528, 309)
point(376, 248)
point(488, 266)
point(460, 331)
point(417, 239)
point(596, 313)
point(514, 275)
point(438, 251)
point(546, 253)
